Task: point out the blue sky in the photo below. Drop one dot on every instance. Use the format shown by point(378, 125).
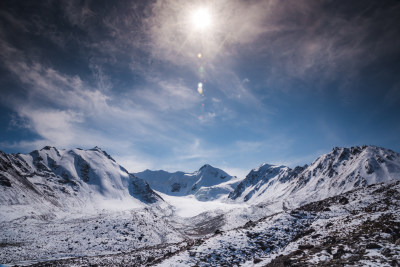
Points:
point(282, 81)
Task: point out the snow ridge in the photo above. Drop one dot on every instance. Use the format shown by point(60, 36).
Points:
point(341, 170)
point(69, 178)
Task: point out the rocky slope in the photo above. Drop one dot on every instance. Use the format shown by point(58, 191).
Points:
point(341, 170)
point(358, 228)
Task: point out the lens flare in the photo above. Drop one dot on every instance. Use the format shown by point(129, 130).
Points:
point(199, 55)
point(200, 88)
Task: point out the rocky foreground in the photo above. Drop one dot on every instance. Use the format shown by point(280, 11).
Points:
point(358, 228)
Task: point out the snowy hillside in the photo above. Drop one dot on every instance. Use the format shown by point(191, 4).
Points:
point(69, 179)
point(341, 170)
point(357, 228)
point(208, 183)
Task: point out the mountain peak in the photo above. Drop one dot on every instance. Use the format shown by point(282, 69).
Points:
point(266, 166)
point(48, 148)
point(206, 166)
point(340, 154)
point(96, 148)
point(264, 174)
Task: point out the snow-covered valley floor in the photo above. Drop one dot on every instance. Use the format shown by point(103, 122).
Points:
point(107, 232)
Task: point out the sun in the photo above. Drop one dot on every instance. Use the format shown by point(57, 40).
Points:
point(201, 18)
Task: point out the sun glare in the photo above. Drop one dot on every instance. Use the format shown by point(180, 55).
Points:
point(201, 18)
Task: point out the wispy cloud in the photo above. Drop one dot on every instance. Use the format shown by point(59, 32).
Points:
point(62, 108)
point(167, 95)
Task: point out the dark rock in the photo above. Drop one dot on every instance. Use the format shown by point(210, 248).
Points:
point(262, 245)
point(304, 233)
point(218, 232)
point(141, 190)
point(249, 224)
point(192, 253)
point(329, 240)
point(387, 230)
point(4, 181)
point(373, 246)
point(256, 260)
point(386, 252)
point(306, 246)
point(315, 236)
point(298, 252)
point(393, 262)
point(339, 253)
point(343, 201)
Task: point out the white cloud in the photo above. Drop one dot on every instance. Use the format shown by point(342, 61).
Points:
point(168, 96)
point(136, 162)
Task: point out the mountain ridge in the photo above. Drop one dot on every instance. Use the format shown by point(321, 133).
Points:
point(207, 183)
point(66, 178)
point(340, 170)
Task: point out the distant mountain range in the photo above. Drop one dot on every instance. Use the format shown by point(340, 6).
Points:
point(88, 177)
point(208, 183)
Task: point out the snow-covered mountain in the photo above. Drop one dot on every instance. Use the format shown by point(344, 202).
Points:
point(341, 170)
point(69, 178)
point(208, 183)
point(208, 217)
